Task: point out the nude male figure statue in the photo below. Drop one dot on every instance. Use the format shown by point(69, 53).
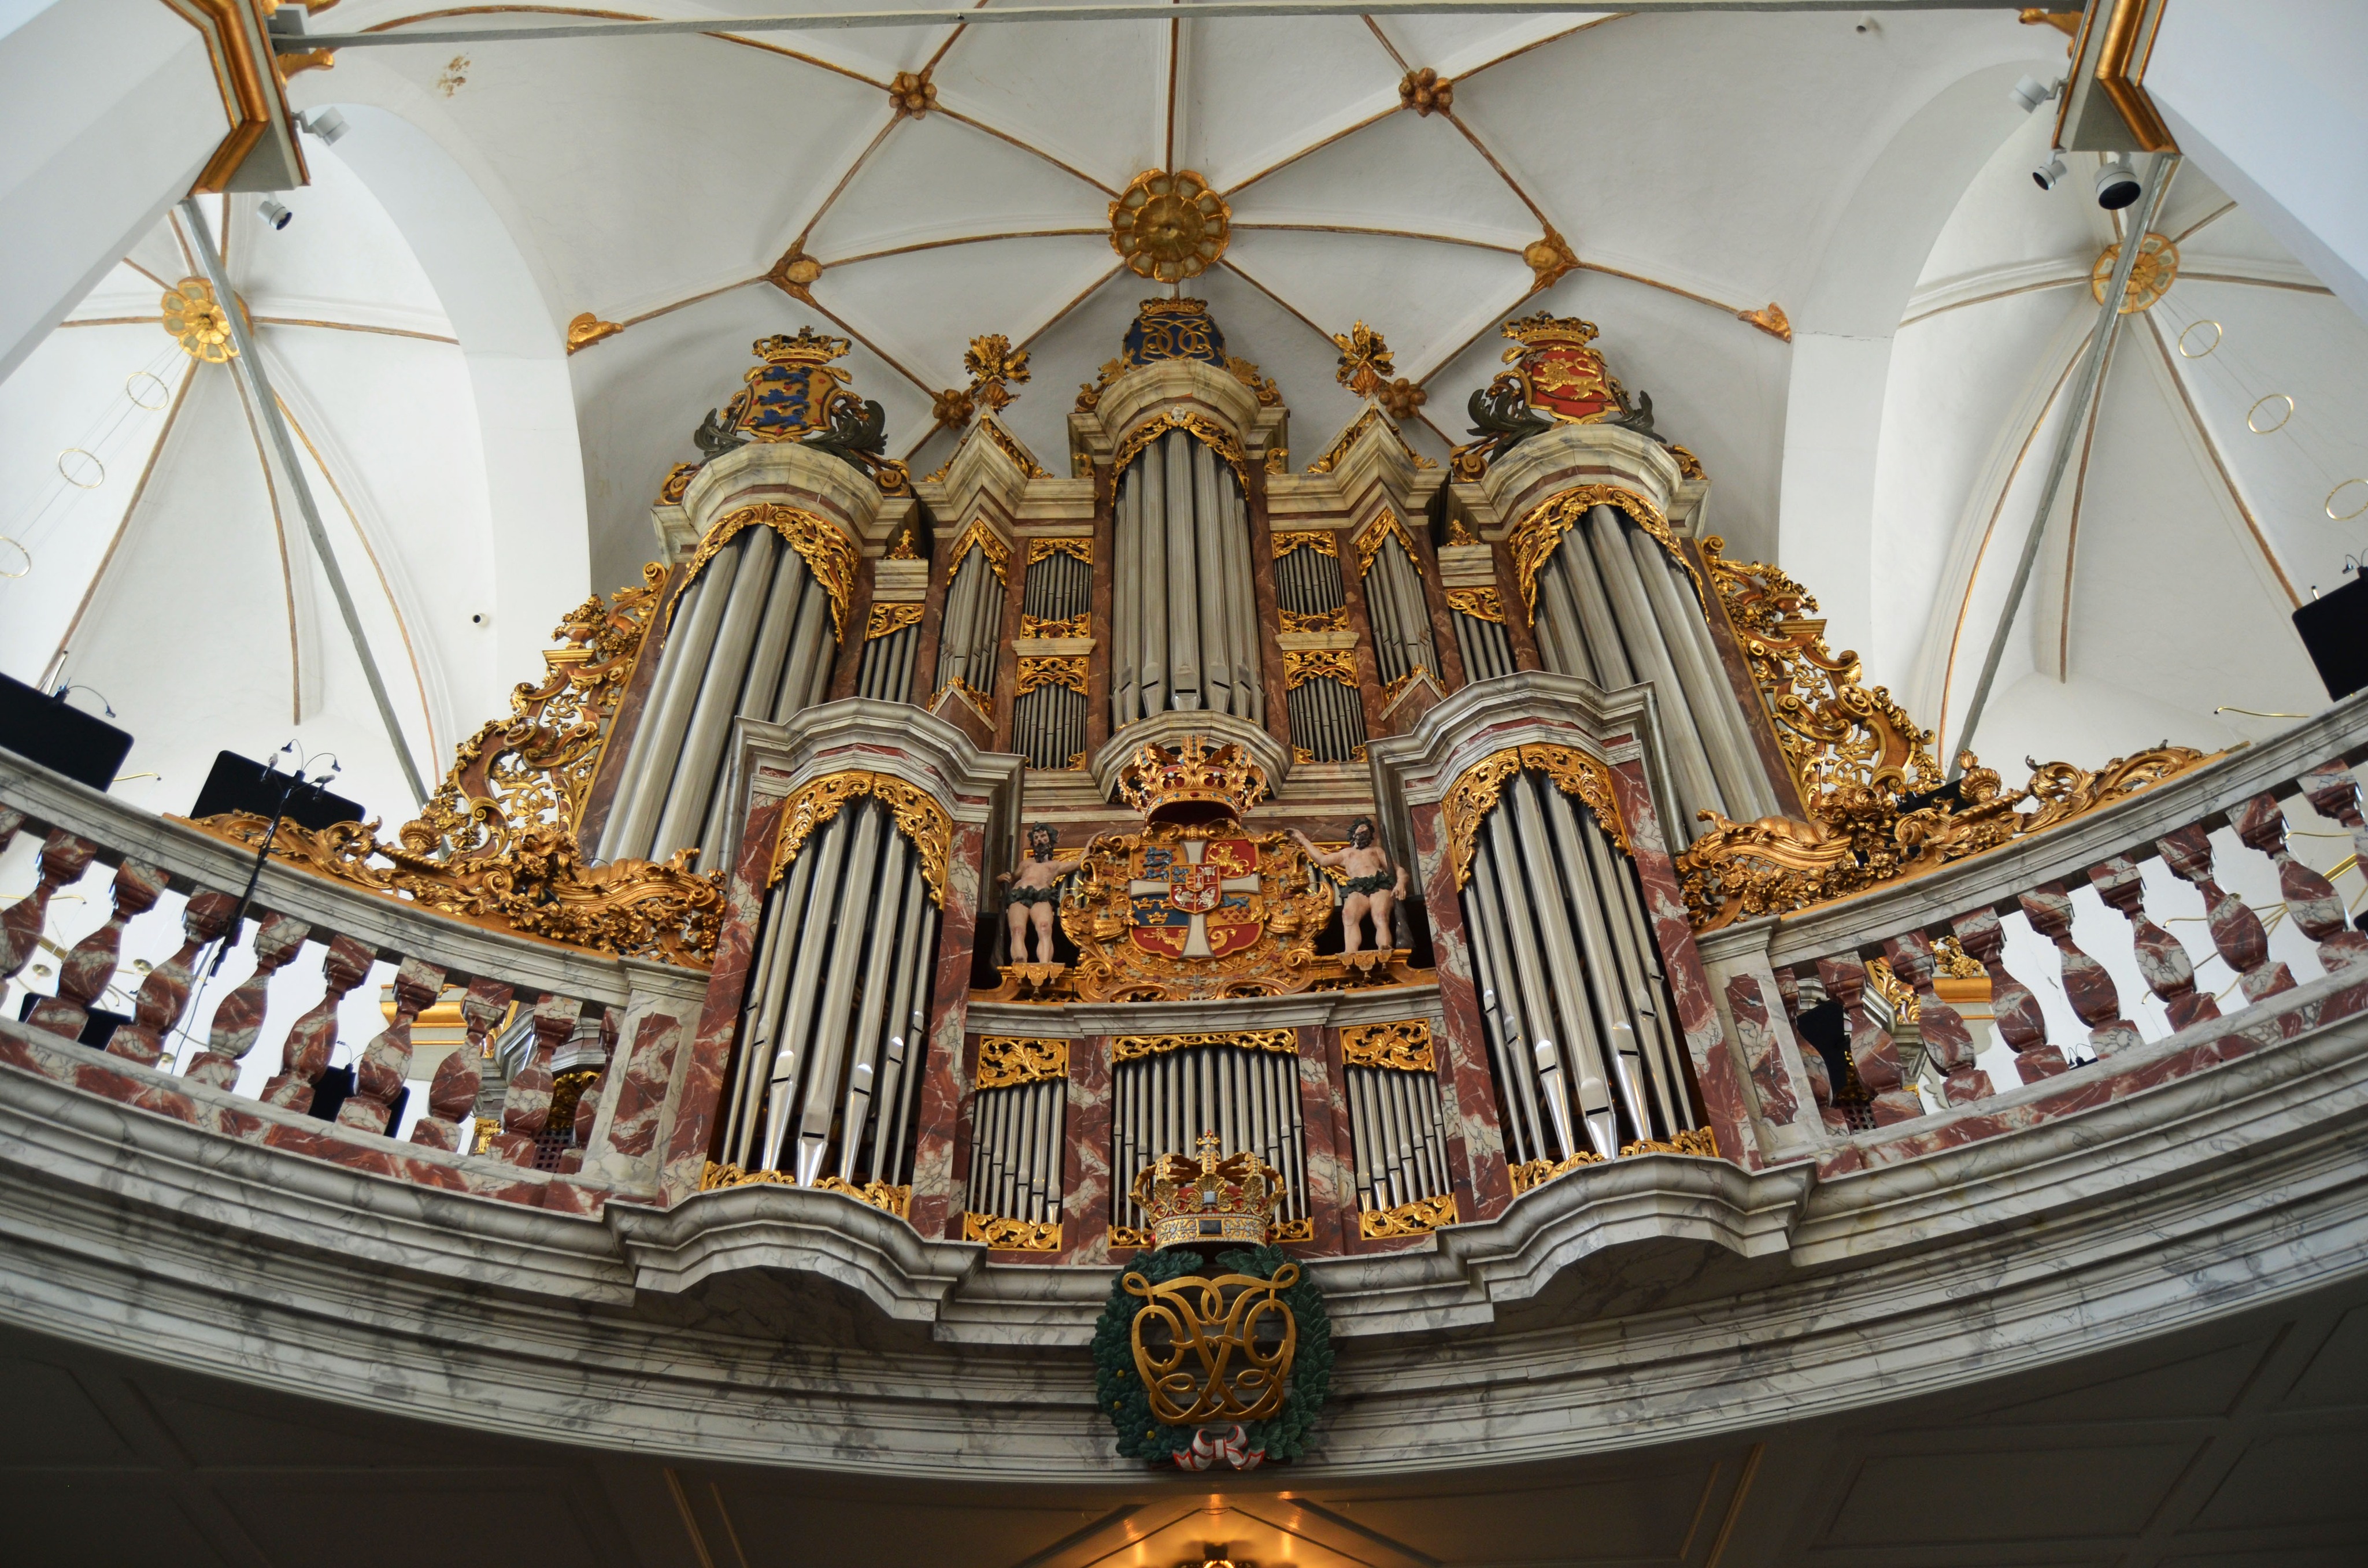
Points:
point(1035, 892)
point(1374, 885)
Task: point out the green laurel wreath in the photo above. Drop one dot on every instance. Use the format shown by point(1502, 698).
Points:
point(1285, 1435)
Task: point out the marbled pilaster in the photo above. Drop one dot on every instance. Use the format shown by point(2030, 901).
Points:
point(1475, 1142)
point(1324, 1144)
point(940, 1188)
point(1085, 1174)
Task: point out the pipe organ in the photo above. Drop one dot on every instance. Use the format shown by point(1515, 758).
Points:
point(1202, 674)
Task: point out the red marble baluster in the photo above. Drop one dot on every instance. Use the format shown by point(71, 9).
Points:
point(527, 1105)
point(386, 1062)
point(238, 1018)
point(2330, 789)
point(2162, 959)
point(2310, 898)
point(83, 978)
point(2236, 931)
point(305, 1054)
point(1871, 1053)
point(2013, 1008)
point(1948, 1040)
point(2087, 986)
point(156, 1011)
point(64, 858)
point(462, 1074)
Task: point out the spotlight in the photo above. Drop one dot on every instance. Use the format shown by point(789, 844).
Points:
point(2027, 94)
point(2047, 174)
point(2117, 186)
point(273, 213)
point(1866, 26)
point(328, 124)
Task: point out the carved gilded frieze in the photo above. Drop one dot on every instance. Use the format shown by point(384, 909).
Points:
point(1476, 791)
point(919, 818)
point(1318, 539)
point(1419, 1218)
point(1001, 1234)
point(1301, 666)
point(1533, 539)
point(1042, 545)
point(1401, 1047)
point(1377, 533)
point(887, 620)
point(1057, 669)
point(989, 544)
point(828, 553)
point(1134, 1047)
point(880, 1195)
point(1005, 1060)
point(1480, 604)
point(1207, 431)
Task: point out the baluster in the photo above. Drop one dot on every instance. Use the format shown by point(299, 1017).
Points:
point(527, 1105)
point(238, 1017)
point(587, 1104)
point(2310, 898)
point(463, 1075)
point(2090, 990)
point(386, 1061)
point(64, 858)
point(2013, 1008)
point(2162, 958)
point(1948, 1041)
point(156, 1011)
point(305, 1054)
point(1872, 1052)
point(83, 978)
point(2236, 931)
point(1812, 1061)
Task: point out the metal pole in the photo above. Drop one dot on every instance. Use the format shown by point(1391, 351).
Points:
point(248, 367)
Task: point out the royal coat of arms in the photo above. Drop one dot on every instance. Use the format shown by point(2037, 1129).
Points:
point(1559, 373)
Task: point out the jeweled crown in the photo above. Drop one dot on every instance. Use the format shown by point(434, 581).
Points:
point(1215, 1198)
point(1541, 330)
point(1191, 782)
point(808, 348)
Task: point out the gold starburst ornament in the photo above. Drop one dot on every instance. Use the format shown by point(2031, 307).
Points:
point(1169, 226)
point(196, 318)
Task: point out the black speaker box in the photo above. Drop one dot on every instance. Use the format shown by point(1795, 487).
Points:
point(2334, 629)
point(45, 730)
point(237, 784)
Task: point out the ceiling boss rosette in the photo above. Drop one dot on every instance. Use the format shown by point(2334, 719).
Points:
point(1169, 226)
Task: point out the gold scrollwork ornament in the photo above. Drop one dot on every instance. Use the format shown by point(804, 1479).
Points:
point(1401, 1047)
point(919, 818)
point(1214, 1349)
point(1477, 788)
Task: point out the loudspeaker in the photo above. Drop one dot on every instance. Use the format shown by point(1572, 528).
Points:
point(2334, 628)
point(45, 730)
point(238, 784)
point(99, 1025)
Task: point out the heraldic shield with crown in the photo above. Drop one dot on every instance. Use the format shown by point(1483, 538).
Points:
point(1194, 906)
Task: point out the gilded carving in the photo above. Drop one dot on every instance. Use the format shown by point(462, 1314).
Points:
point(1314, 621)
point(1476, 791)
point(888, 619)
point(1533, 539)
point(1054, 544)
point(1262, 387)
point(497, 843)
point(1011, 1235)
point(830, 554)
point(1005, 1060)
point(995, 367)
point(1379, 531)
point(1225, 1346)
point(1357, 428)
point(676, 483)
point(1057, 669)
point(1402, 1047)
point(1365, 361)
point(1419, 1218)
point(195, 320)
point(888, 1200)
point(1480, 604)
point(1215, 436)
point(1396, 689)
point(1537, 1173)
point(919, 818)
point(1301, 666)
point(1320, 540)
point(1078, 625)
point(1169, 226)
point(588, 329)
point(1701, 1142)
point(999, 555)
point(1134, 1047)
point(798, 394)
point(1012, 449)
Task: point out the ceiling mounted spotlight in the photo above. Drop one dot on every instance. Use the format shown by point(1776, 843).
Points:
point(1866, 26)
point(2117, 186)
point(328, 124)
point(2028, 94)
point(273, 213)
point(2047, 174)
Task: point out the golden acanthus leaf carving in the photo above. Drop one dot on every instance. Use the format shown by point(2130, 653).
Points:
point(1419, 1218)
point(1301, 666)
point(1005, 1060)
point(1001, 1234)
point(1057, 544)
point(1057, 669)
point(496, 845)
point(1009, 446)
point(1207, 431)
point(919, 818)
point(1318, 539)
point(1315, 620)
point(830, 554)
point(888, 1200)
point(1480, 604)
point(1357, 428)
point(988, 542)
point(1533, 539)
point(1537, 1173)
point(1477, 788)
point(887, 620)
point(1377, 533)
point(1078, 625)
point(1133, 1047)
point(1402, 1047)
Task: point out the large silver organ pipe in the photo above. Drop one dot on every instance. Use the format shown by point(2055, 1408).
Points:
point(753, 633)
point(1394, 603)
point(974, 616)
point(1613, 608)
point(1478, 617)
point(1184, 620)
point(1048, 716)
point(1019, 1119)
point(832, 1025)
point(1244, 1089)
point(889, 644)
point(1396, 1124)
point(1578, 1016)
point(1326, 710)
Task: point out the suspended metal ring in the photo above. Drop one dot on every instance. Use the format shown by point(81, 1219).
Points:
point(2346, 516)
point(64, 473)
point(21, 551)
point(2269, 429)
point(2205, 352)
point(132, 388)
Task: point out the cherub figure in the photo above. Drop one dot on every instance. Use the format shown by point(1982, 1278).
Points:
point(1035, 892)
point(1374, 885)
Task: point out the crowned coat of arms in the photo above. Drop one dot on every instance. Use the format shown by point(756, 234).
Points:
point(1560, 374)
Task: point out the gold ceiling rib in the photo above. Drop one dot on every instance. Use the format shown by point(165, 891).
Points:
point(1511, 184)
point(1313, 147)
point(719, 34)
point(692, 300)
point(287, 575)
point(2215, 215)
point(854, 166)
point(130, 509)
point(2212, 450)
point(1541, 43)
point(1382, 233)
point(1097, 230)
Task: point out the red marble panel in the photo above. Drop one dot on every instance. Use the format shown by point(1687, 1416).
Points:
point(1086, 1162)
point(1763, 1051)
point(938, 1184)
point(1475, 1147)
point(1323, 1145)
point(1726, 1104)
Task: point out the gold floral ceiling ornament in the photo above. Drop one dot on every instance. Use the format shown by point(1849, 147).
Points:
point(1169, 226)
point(2151, 276)
point(588, 329)
point(794, 274)
point(196, 318)
point(992, 362)
point(912, 94)
point(1769, 319)
point(1427, 92)
point(952, 408)
point(1550, 260)
point(1400, 398)
point(1365, 364)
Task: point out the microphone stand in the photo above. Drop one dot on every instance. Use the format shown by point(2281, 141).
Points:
point(254, 876)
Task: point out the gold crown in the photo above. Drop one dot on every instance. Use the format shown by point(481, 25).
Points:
point(1537, 332)
point(1229, 1198)
point(1192, 782)
point(805, 348)
point(1176, 307)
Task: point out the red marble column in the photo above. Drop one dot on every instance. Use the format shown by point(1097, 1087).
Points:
point(2236, 931)
point(526, 1105)
point(1325, 1147)
point(2310, 898)
point(2013, 1009)
point(1517, 611)
point(2163, 962)
point(940, 1185)
point(453, 1091)
point(2087, 986)
point(1763, 1052)
point(1467, 1085)
point(1369, 672)
point(306, 1052)
point(1453, 677)
point(1727, 1104)
point(386, 1062)
point(64, 858)
point(1085, 1174)
point(165, 995)
point(1871, 1053)
point(88, 970)
point(1948, 1043)
point(238, 1017)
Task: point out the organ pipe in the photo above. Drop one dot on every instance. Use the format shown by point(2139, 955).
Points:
point(1184, 626)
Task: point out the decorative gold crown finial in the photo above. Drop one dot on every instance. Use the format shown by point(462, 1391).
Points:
point(1216, 1198)
point(808, 348)
point(1536, 332)
point(1192, 782)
